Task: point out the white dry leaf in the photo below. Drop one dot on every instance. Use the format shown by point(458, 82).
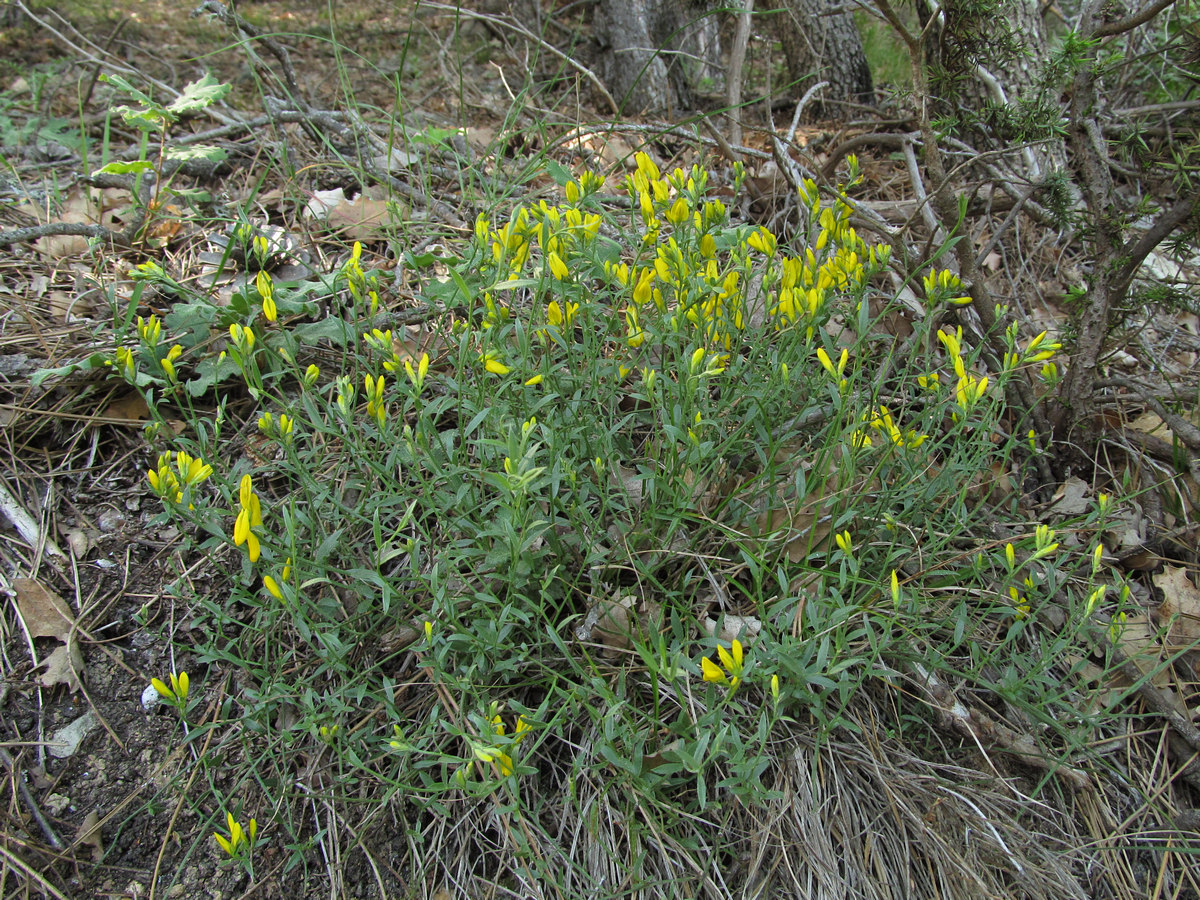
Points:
point(322, 202)
point(1071, 498)
point(65, 742)
point(735, 628)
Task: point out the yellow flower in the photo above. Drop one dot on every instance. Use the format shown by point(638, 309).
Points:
point(634, 335)
point(417, 376)
point(266, 290)
point(192, 469)
point(492, 363)
point(844, 542)
point(678, 213)
point(1020, 603)
point(178, 691)
point(243, 338)
point(248, 518)
point(272, 587)
point(763, 241)
point(536, 379)
point(730, 670)
point(970, 391)
point(1043, 541)
point(376, 404)
point(149, 331)
point(126, 364)
point(168, 363)
point(558, 268)
point(559, 316)
point(1116, 626)
point(238, 838)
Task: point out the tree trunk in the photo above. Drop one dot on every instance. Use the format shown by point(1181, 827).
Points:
point(821, 43)
point(985, 67)
point(657, 52)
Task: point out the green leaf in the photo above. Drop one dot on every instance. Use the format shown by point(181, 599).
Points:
point(325, 550)
point(197, 95)
point(128, 89)
point(211, 154)
point(125, 168)
point(191, 322)
point(332, 329)
point(87, 364)
point(145, 119)
point(210, 372)
point(561, 174)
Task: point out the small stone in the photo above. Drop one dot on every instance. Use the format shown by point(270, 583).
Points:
point(151, 698)
point(111, 520)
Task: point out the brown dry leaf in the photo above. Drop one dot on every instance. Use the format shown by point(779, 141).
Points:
point(633, 483)
point(480, 137)
point(1138, 640)
point(82, 207)
point(365, 218)
point(613, 625)
point(1152, 424)
point(63, 666)
point(60, 306)
point(44, 613)
point(801, 547)
point(79, 541)
point(612, 622)
point(598, 149)
point(1180, 608)
point(88, 835)
point(130, 408)
point(166, 227)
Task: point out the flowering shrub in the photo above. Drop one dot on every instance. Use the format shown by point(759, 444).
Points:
point(615, 393)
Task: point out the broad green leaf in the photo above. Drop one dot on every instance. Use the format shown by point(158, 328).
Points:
point(87, 364)
point(183, 154)
point(126, 88)
point(126, 168)
point(197, 95)
point(561, 174)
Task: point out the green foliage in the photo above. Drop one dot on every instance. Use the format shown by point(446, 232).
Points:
point(607, 401)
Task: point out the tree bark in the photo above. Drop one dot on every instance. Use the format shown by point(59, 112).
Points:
point(657, 52)
point(822, 43)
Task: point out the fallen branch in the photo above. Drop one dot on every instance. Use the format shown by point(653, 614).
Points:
point(35, 232)
point(26, 525)
point(982, 729)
